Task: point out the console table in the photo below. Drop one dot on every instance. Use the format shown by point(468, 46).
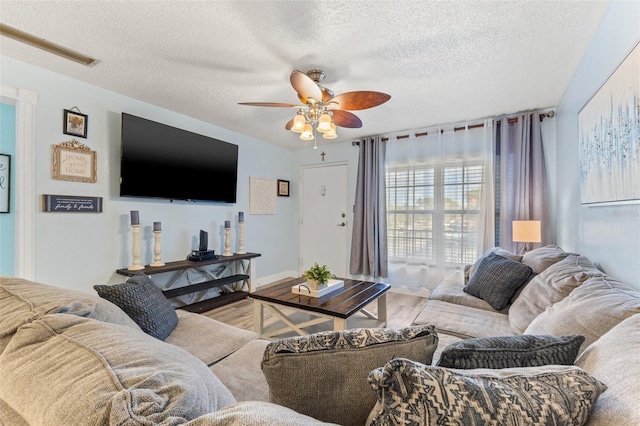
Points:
point(243, 263)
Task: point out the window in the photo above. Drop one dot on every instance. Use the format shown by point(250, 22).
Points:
point(433, 210)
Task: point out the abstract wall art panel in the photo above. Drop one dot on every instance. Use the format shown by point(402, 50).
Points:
point(609, 137)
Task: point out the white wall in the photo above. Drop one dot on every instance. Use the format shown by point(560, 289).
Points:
point(80, 250)
point(608, 235)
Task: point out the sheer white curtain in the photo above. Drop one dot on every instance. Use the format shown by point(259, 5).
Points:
point(440, 202)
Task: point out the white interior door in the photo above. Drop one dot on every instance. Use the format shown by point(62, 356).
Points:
point(323, 218)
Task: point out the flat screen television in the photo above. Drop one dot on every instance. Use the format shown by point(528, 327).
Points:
point(162, 161)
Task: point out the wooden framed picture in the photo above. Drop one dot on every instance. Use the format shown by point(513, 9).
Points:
point(283, 188)
point(75, 162)
point(75, 123)
point(5, 182)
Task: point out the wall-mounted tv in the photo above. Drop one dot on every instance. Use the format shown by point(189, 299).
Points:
point(161, 161)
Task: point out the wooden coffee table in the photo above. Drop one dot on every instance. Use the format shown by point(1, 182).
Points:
point(337, 306)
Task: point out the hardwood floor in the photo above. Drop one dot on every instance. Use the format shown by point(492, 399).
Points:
point(401, 310)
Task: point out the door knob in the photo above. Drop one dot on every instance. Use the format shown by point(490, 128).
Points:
point(342, 224)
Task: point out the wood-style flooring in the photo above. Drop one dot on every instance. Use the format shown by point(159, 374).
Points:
point(401, 311)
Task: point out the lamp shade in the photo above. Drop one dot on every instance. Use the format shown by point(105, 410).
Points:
point(298, 123)
point(526, 231)
point(331, 133)
point(307, 133)
point(324, 123)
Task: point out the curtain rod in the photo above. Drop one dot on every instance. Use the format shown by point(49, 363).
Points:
point(548, 114)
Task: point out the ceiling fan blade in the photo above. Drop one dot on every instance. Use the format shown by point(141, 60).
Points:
point(353, 101)
point(269, 104)
point(305, 87)
point(289, 124)
point(346, 119)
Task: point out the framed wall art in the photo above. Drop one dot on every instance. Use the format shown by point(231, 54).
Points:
point(609, 137)
point(5, 183)
point(262, 197)
point(283, 188)
point(75, 162)
point(75, 123)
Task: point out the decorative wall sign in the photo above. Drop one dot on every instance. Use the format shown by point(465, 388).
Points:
point(609, 137)
point(262, 196)
point(5, 183)
point(75, 123)
point(71, 204)
point(74, 161)
point(283, 188)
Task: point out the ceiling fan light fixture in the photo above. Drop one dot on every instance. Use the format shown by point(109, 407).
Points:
point(324, 122)
point(331, 133)
point(298, 123)
point(307, 133)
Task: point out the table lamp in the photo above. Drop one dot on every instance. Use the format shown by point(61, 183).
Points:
point(526, 231)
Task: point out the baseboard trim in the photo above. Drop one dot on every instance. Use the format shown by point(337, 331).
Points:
point(275, 277)
point(418, 292)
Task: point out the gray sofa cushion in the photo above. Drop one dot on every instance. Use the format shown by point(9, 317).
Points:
point(463, 321)
point(452, 291)
point(497, 279)
point(144, 302)
point(511, 352)
point(468, 272)
point(590, 310)
point(412, 394)
point(22, 301)
point(111, 375)
point(549, 287)
point(324, 375)
point(541, 258)
point(208, 339)
point(613, 359)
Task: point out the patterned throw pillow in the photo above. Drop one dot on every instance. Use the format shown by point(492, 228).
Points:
point(511, 352)
point(144, 302)
point(324, 375)
point(412, 394)
point(497, 279)
point(471, 269)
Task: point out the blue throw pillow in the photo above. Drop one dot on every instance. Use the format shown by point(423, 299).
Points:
point(144, 302)
point(497, 279)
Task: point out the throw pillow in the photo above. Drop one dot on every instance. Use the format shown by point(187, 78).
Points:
point(497, 279)
point(144, 302)
point(591, 310)
point(66, 370)
point(541, 258)
point(413, 394)
point(324, 375)
point(469, 270)
point(511, 352)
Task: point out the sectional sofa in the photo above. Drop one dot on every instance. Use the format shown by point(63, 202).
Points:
point(69, 357)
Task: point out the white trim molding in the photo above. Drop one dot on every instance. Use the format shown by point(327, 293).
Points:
point(25, 207)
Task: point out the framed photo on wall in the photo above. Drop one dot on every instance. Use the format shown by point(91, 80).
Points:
point(75, 123)
point(5, 182)
point(283, 188)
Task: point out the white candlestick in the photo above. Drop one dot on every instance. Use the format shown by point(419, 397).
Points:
point(135, 251)
point(227, 246)
point(241, 238)
point(157, 260)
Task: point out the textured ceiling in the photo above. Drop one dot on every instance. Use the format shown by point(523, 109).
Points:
point(442, 62)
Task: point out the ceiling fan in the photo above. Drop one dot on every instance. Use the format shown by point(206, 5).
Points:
point(321, 107)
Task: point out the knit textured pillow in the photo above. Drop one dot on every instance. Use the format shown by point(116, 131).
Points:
point(497, 279)
point(511, 351)
point(413, 394)
point(144, 302)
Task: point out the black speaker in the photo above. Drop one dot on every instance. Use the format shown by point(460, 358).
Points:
point(204, 241)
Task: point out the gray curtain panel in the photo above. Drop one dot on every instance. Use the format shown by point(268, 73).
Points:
point(523, 177)
point(369, 240)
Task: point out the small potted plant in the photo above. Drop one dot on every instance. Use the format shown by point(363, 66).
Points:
point(317, 276)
